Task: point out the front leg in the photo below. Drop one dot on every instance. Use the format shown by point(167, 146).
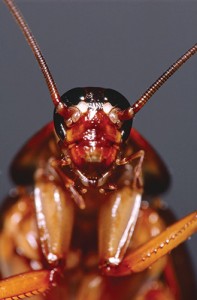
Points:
point(116, 224)
point(54, 211)
point(117, 219)
point(150, 252)
point(55, 215)
point(20, 252)
point(119, 212)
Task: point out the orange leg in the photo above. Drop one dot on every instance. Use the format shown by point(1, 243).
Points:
point(150, 252)
point(54, 223)
point(68, 183)
point(27, 284)
point(119, 212)
point(55, 217)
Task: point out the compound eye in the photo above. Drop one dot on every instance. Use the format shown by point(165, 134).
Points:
point(59, 125)
point(73, 97)
point(126, 129)
point(75, 115)
point(114, 117)
point(123, 120)
point(62, 124)
point(121, 113)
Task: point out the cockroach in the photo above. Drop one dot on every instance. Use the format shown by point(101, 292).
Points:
point(85, 220)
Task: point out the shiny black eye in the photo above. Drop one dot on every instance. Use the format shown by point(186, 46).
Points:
point(59, 125)
point(116, 99)
point(119, 101)
point(73, 96)
point(70, 98)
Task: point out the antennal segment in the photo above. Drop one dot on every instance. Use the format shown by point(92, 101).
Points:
point(36, 50)
point(162, 79)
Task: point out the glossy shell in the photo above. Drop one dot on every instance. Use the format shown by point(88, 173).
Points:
point(43, 145)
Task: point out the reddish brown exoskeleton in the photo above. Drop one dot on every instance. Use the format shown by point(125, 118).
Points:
point(79, 226)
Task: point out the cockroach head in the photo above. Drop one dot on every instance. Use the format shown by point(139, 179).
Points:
point(78, 101)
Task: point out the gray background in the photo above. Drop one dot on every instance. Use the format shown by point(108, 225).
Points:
point(123, 45)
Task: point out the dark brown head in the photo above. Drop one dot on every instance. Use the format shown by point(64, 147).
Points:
point(93, 127)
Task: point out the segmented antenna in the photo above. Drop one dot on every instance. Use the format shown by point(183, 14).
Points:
point(36, 50)
point(162, 79)
point(50, 81)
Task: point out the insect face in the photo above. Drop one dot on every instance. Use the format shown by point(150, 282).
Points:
point(93, 129)
point(65, 244)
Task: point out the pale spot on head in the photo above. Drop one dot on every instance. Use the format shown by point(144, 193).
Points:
point(107, 107)
point(82, 106)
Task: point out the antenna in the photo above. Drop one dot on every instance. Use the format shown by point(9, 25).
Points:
point(36, 50)
point(162, 79)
